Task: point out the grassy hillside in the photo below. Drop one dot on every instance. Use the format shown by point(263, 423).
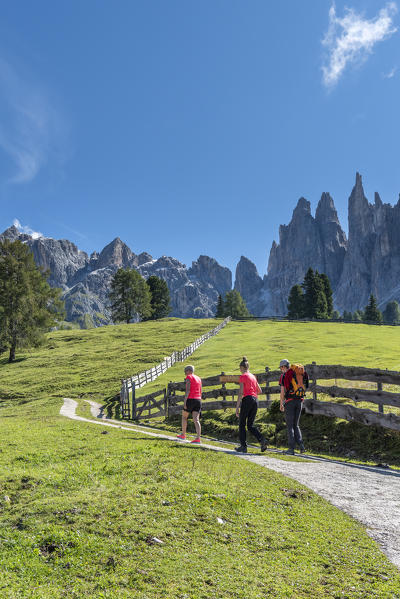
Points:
point(80, 512)
point(91, 363)
point(265, 343)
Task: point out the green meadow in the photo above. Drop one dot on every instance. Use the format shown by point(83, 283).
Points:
point(108, 513)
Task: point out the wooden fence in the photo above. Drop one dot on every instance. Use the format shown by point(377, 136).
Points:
point(168, 402)
point(129, 385)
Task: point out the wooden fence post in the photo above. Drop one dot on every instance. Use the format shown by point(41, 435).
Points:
point(165, 403)
point(133, 400)
point(381, 404)
point(314, 385)
point(223, 393)
point(267, 385)
point(121, 398)
point(128, 408)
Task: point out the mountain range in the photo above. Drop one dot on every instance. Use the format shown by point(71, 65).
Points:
point(366, 262)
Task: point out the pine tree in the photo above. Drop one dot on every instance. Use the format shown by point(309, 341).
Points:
point(315, 303)
point(296, 303)
point(28, 305)
point(235, 305)
point(336, 315)
point(129, 296)
point(391, 314)
point(220, 312)
point(371, 312)
point(160, 298)
point(328, 293)
point(347, 316)
point(357, 316)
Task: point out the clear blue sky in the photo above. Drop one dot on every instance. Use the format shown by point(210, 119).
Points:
point(190, 128)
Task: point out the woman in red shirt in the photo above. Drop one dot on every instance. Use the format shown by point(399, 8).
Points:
point(247, 406)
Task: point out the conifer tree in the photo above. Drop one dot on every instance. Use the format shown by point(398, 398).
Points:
point(234, 305)
point(28, 305)
point(347, 316)
point(159, 297)
point(220, 312)
point(371, 312)
point(129, 296)
point(315, 303)
point(328, 293)
point(296, 303)
point(391, 314)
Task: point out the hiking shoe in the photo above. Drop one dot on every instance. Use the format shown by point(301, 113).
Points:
point(264, 446)
point(289, 452)
point(241, 449)
point(302, 449)
point(196, 441)
point(181, 436)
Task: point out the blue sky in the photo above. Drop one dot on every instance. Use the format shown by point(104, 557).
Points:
point(190, 128)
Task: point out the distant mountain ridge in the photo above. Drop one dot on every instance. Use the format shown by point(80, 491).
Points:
point(367, 262)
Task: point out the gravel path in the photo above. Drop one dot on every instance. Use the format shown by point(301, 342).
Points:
point(369, 494)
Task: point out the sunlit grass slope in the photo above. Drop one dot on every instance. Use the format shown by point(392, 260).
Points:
point(80, 512)
point(82, 363)
point(265, 343)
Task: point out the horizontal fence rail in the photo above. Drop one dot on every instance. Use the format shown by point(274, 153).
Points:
point(169, 402)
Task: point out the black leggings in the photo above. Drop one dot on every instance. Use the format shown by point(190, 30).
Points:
point(248, 411)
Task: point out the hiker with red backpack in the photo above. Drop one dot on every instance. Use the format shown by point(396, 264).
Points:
point(293, 382)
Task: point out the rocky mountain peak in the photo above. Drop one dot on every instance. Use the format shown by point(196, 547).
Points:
point(303, 207)
point(326, 211)
point(116, 254)
point(248, 282)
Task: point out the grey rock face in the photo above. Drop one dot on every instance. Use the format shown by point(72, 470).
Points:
point(207, 270)
point(372, 263)
point(307, 241)
point(249, 284)
point(86, 282)
point(194, 291)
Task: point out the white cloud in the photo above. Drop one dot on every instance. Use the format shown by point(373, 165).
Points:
point(27, 230)
point(350, 39)
point(32, 132)
point(390, 74)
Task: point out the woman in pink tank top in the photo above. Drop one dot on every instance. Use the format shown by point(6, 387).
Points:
point(247, 406)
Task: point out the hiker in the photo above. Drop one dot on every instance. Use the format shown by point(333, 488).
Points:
point(293, 382)
point(246, 407)
point(192, 403)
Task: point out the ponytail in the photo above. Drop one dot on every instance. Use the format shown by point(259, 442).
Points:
point(244, 363)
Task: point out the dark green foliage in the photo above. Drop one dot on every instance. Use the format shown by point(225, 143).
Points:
point(315, 302)
point(29, 307)
point(391, 314)
point(235, 305)
point(129, 296)
point(296, 307)
point(336, 315)
point(160, 298)
point(358, 316)
point(328, 293)
point(220, 312)
point(347, 316)
point(371, 312)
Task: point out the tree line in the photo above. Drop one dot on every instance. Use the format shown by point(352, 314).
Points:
point(29, 307)
point(313, 300)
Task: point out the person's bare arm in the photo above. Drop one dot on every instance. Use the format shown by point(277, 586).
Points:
point(259, 389)
point(281, 407)
point(239, 399)
point(187, 391)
